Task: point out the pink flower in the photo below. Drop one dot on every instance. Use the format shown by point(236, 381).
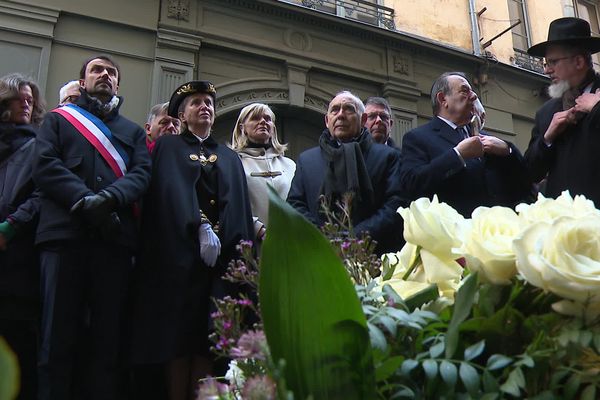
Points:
point(251, 344)
point(259, 388)
point(211, 388)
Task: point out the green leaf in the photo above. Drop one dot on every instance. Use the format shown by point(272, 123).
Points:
point(597, 342)
point(475, 350)
point(436, 350)
point(514, 383)
point(387, 269)
point(377, 337)
point(407, 366)
point(589, 393)
point(9, 372)
point(490, 396)
point(448, 373)
point(490, 384)
point(391, 293)
point(497, 361)
point(311, 313)
point(462, 308)
point(585, 338)
point(431, 369)
point(572, 386)
point(423, 296)
point(387, 368)
point(469, 378)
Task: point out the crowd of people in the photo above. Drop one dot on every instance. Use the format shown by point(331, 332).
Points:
point(114, 238)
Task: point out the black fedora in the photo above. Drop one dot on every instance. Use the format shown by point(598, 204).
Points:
point(565, 31)
point(187, 89)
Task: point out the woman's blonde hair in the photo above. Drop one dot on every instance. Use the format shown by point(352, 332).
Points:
point(239, 140)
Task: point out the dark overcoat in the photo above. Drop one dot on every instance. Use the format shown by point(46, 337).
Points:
point(19, 266)
point(382, 221)
point(572, 162)
point(431, 166)
point(171, 251)
point(68, 167)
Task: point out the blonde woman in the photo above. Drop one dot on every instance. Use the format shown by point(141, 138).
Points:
point(255, 140)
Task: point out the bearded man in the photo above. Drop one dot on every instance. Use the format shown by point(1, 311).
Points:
point(564, 143)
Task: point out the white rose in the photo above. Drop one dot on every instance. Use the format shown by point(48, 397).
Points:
point(563, 257)
point(436, 227)
point(547, 209)
point(489, 243)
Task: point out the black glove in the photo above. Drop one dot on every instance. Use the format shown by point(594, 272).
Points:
point(95, 209)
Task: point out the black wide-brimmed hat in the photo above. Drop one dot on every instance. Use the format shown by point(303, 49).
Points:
point(187, 89)
point(567, 31)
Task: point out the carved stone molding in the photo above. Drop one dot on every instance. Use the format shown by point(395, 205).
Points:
point(237, 100)
point(315, 103)
point(297, 40)
point(178, 9)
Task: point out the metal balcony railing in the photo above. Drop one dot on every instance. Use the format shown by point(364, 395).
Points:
point(524, 60)
point(357, 10)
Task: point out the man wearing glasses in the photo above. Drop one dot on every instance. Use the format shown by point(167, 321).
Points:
point(379, 120)
point(565, 139)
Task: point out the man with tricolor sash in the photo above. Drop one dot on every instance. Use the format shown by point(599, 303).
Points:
point(92, 166)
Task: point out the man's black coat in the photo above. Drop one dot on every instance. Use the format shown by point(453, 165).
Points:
point(431, 166)
point(383, 223)
point(68, 167)
point(573, 161)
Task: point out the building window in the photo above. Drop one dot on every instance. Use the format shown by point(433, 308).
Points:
point(588, 10)
point(520, 33)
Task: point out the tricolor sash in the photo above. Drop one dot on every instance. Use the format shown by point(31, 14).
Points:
point(99, 136)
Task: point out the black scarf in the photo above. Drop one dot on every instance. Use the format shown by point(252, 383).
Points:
point(346, 170)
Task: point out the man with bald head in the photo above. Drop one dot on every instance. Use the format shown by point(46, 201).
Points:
point(349, 162)
point(464, 167)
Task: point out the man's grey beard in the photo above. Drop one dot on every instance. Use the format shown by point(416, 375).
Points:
point(556, 90)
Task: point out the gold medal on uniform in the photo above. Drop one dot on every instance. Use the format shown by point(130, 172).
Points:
point(212, 158)
point(194, 157)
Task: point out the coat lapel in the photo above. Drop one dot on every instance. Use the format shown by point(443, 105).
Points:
point(445, 132)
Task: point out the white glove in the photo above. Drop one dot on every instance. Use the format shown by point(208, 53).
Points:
point(210, 245)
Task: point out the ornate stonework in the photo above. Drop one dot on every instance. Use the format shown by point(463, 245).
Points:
point(402, 65)
point(316, 103)
point(297, 40)
point(179, 9)
point(238, 100)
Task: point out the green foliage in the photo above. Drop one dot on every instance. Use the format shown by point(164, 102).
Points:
point(9, 372)
point(311, 315)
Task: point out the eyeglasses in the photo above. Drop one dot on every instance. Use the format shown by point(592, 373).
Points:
point(382, 116)
point(551, 62)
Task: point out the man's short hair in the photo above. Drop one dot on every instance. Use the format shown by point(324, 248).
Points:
point(441, 85)
point(360, 107)
point(379, 101)
point(101, 57)
point(157, 110)
point(62, 93)
point(10, 86)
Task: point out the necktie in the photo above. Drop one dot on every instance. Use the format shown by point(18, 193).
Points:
point(462, 131)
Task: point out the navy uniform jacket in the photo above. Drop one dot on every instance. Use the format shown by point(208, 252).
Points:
point(573, 161)
point(171, 251)
point(68, 167)
point(431, 166)
point(383, 223)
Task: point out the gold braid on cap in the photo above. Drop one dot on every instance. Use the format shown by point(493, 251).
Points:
point(211, 89)
point(186, 89)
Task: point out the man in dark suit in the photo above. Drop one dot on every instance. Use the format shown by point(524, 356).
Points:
point(565, 140)
point(465, 168)
point(91, 166)
point(348, 161)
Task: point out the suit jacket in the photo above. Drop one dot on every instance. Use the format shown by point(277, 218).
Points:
point(431, 166)
point(572, 162)
point(383, 223)
point(67, 168)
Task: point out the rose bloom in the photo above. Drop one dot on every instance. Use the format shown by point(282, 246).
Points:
point(563, 257)
point(436, 227)
point(488, 244)
point(547, 209)
point(445, 273)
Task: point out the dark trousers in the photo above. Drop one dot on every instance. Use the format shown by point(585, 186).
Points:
point(84, 287)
